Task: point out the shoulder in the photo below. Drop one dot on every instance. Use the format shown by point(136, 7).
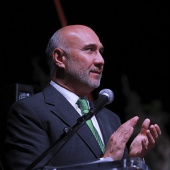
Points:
point(111, 114)
point(37, 98)
point(32, 100)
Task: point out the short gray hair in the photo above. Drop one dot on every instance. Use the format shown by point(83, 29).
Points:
point(56, 41)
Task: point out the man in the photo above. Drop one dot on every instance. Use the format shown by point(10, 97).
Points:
point(35, 123)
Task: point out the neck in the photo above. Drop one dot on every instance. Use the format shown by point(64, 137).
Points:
point(77, 88)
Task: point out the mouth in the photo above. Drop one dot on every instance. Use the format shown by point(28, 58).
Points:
point(96, 72)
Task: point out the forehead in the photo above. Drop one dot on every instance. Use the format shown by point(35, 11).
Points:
point(82, 37)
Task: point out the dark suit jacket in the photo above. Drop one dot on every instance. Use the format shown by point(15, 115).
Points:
point(37, 122)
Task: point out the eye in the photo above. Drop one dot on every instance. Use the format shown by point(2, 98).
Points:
point(94, 48)
point(90, 49)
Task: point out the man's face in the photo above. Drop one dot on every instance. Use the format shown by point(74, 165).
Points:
point(84, 64)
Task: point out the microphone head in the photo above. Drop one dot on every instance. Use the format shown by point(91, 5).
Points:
point(108, 93)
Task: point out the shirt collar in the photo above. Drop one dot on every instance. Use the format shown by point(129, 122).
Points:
point(70, 96)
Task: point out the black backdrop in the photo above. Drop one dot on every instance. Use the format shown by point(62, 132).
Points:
point(134, 35)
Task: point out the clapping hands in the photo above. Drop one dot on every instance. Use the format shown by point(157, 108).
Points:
point(140, 146)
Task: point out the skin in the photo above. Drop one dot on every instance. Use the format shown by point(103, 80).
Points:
point(79, 65)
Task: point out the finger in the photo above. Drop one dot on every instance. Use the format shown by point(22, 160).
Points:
point(144, 144)
point(128, 133)
point(127, 128)
point(158, 129)
point(123, 133)
point(151, 140)
point(145, 126)
point(155, 131)
point(132, 122)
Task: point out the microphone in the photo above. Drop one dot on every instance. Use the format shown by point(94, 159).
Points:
point(105, 97)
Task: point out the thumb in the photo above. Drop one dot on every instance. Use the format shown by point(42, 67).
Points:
point(133, 121)
point(145, 126)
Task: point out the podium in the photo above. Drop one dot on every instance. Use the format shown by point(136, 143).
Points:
point(125, 164)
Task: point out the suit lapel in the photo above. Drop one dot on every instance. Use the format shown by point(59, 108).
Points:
point(60, 106)
point(64, 110)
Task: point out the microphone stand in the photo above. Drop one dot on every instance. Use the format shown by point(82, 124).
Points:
point(60, 143)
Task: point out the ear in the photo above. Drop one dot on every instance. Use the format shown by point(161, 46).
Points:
point(58, 55)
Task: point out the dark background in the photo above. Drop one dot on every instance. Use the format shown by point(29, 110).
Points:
point(134, 34)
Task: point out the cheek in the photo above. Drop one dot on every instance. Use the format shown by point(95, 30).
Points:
point(85, 62)
point(82, 60)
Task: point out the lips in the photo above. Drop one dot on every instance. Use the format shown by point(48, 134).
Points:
point(96, 72)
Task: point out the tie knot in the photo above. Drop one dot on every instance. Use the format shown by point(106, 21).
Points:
point(83, 105)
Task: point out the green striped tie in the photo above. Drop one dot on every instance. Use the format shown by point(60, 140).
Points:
point(82, 104)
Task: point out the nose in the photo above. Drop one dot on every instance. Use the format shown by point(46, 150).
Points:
point(99, 60)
